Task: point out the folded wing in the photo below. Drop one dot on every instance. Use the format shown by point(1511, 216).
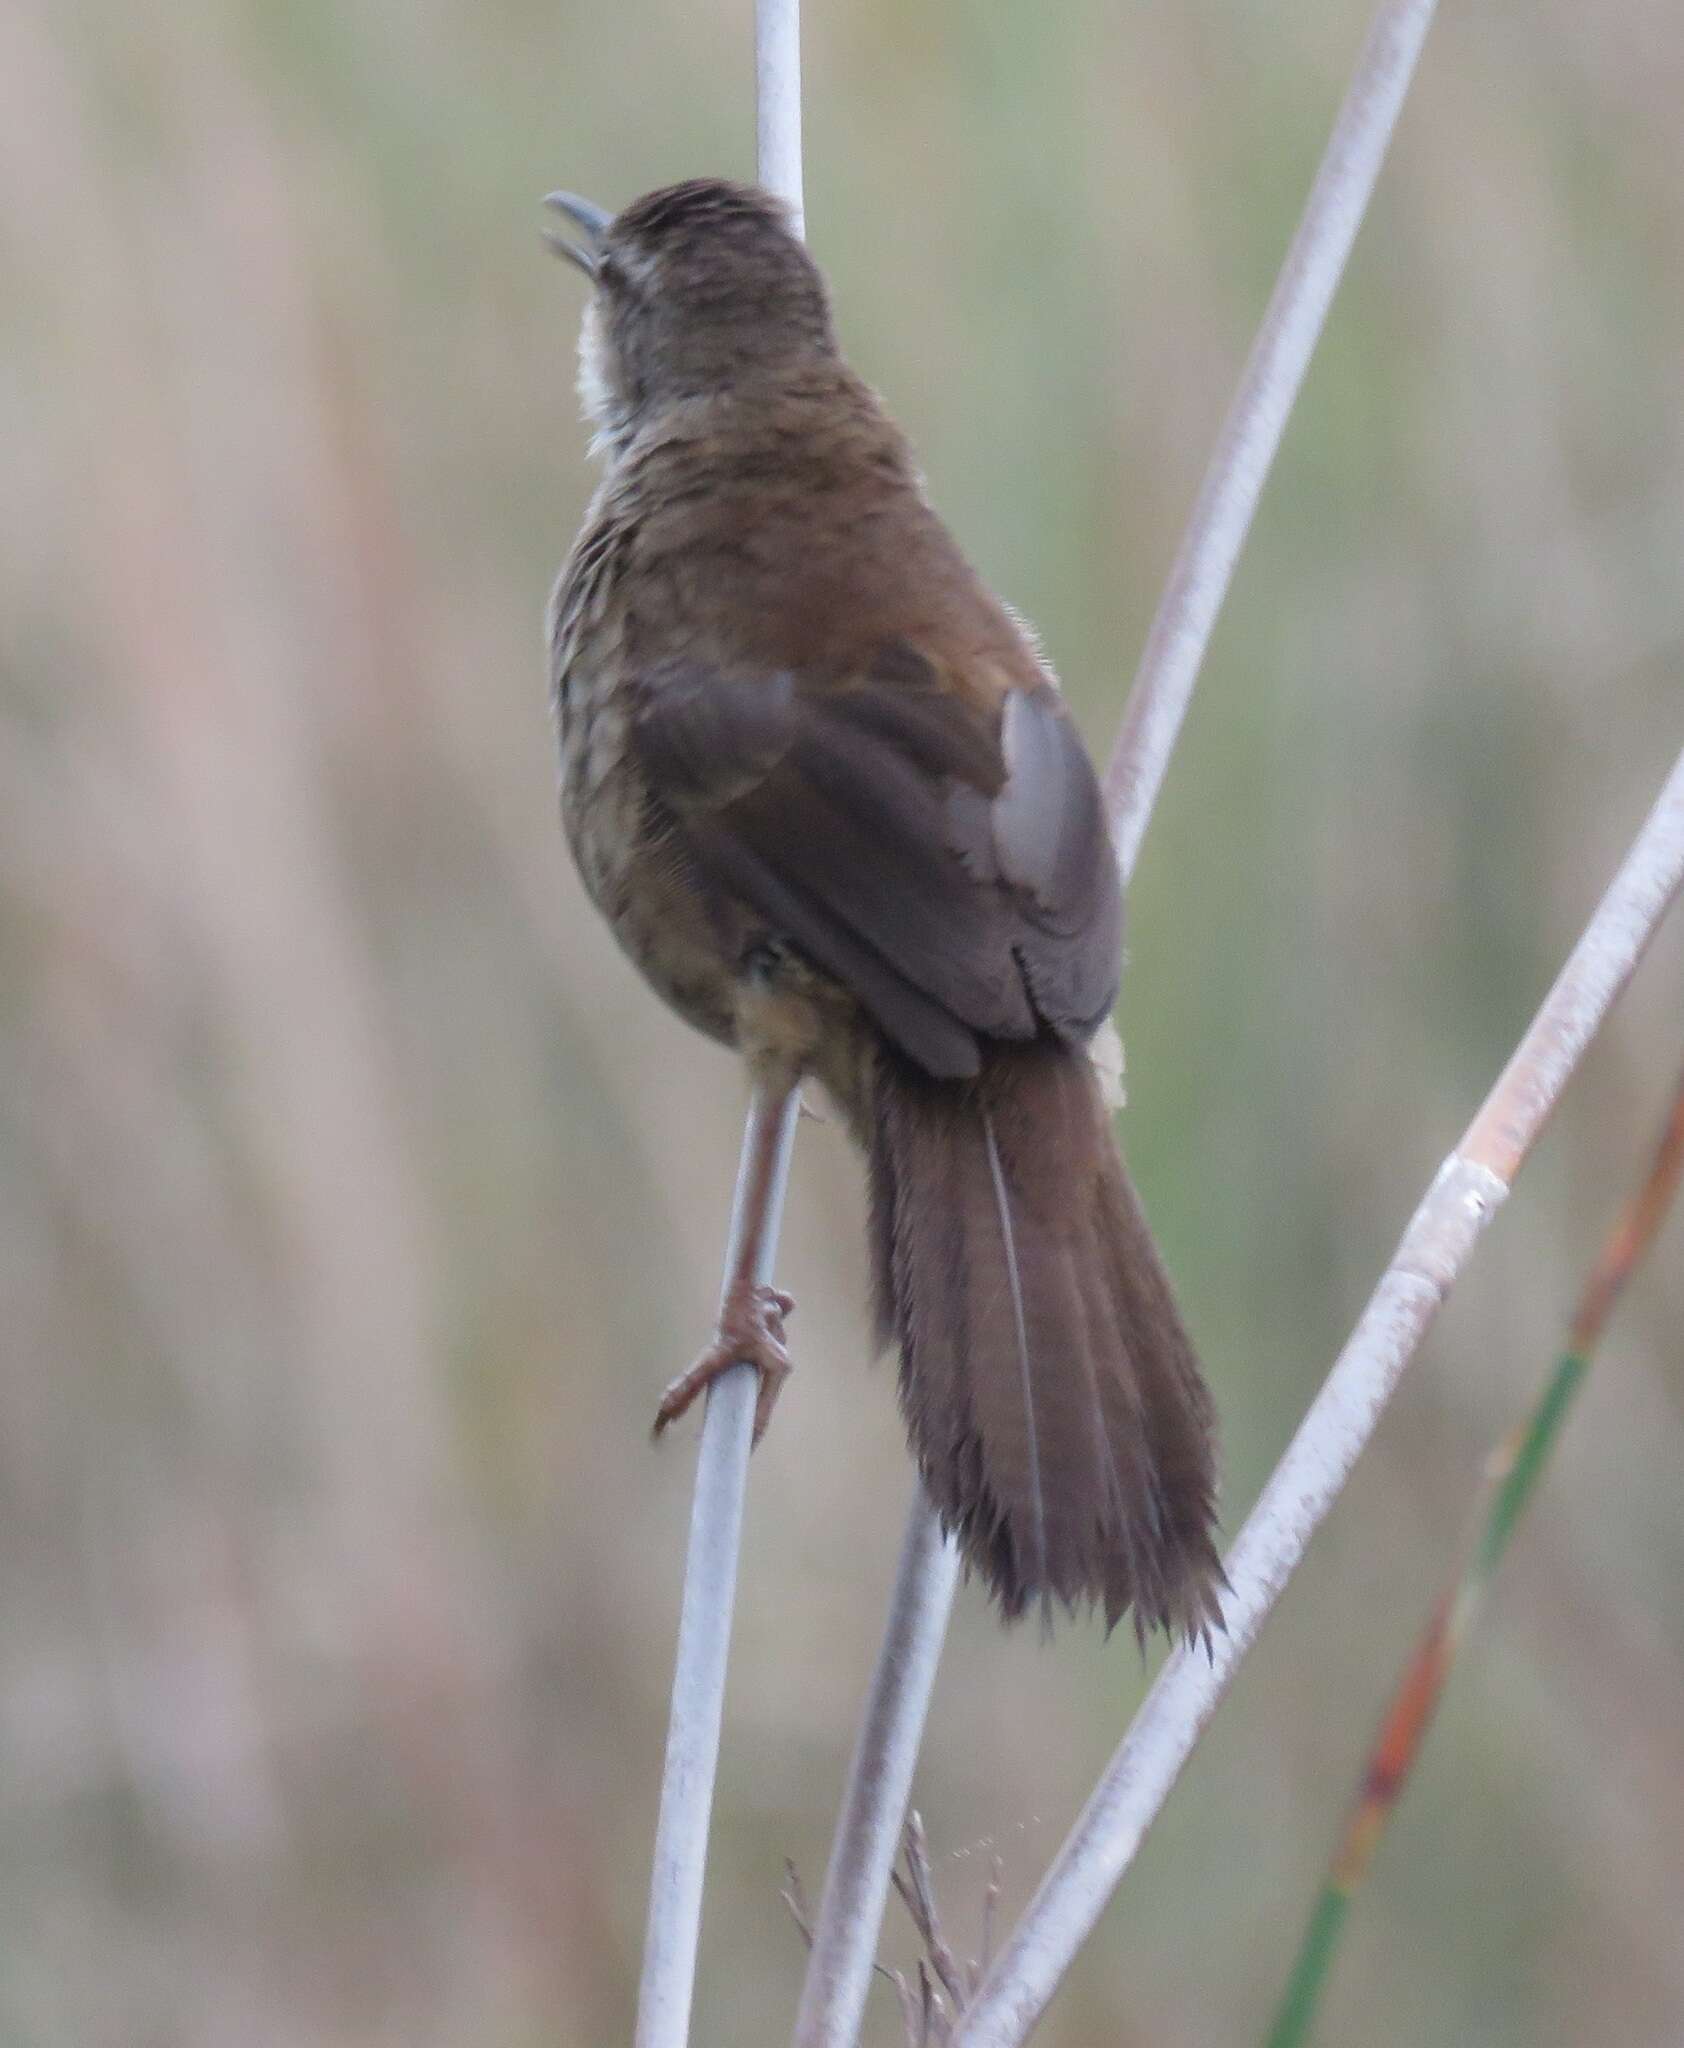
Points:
point(941, 852)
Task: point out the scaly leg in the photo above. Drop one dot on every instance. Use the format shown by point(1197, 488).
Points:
point(750, 1330)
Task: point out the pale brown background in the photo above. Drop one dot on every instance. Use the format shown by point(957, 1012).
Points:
point(355, 1200)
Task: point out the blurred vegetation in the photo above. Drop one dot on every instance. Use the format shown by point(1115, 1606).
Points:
point(355, 1200)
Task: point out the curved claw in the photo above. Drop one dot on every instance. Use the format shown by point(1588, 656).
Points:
point(750, 1332)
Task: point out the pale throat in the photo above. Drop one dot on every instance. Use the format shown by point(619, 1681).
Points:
point(600, 399)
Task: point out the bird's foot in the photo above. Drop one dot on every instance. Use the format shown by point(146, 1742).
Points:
point(750, 1332)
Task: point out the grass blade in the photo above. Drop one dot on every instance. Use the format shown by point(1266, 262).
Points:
point(1512, 1474)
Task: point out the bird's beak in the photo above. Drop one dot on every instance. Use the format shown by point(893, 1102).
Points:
point(591, 222)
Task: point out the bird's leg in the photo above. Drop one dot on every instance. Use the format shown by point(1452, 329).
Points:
point(750, 1330)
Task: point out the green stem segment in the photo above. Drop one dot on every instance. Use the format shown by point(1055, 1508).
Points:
point(1511, 1476)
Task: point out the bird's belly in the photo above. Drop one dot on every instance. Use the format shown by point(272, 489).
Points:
point(687, 945)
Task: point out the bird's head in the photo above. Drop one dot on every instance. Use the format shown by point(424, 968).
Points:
point(695, 289)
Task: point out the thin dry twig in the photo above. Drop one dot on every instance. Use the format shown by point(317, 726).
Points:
point(918, 1894)
point(915, 1885)
point(925, 2018)
point(990, 1911)
point(932, 2027)
point(794, 1896)
point(935, 1994)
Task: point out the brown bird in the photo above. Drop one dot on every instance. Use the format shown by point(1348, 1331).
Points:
point(823, 786)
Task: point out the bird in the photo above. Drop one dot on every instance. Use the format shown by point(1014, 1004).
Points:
point(824, 788)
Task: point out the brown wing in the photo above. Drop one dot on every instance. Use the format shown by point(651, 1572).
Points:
point(948, 862)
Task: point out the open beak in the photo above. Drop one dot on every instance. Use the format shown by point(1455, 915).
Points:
point(592, 224)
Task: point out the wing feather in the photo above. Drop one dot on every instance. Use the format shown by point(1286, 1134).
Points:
point(946, 859)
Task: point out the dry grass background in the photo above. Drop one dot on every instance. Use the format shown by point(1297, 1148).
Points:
point(355, 1201)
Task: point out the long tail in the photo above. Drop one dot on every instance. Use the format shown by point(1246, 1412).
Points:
point(1052, 1395)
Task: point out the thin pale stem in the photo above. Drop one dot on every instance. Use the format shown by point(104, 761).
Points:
point(710, 1582)
point(1469, 1187)
point(862, 1855)
point(847, 1932)
point(777, 83)
point(716, 1515)
point(1251, 434)
point(1512, 1475)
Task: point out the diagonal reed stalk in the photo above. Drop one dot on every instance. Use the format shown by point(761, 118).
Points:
point(1468, 1189)
point(667, 1983)
point(1512, 1473)
point(879, 1782)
